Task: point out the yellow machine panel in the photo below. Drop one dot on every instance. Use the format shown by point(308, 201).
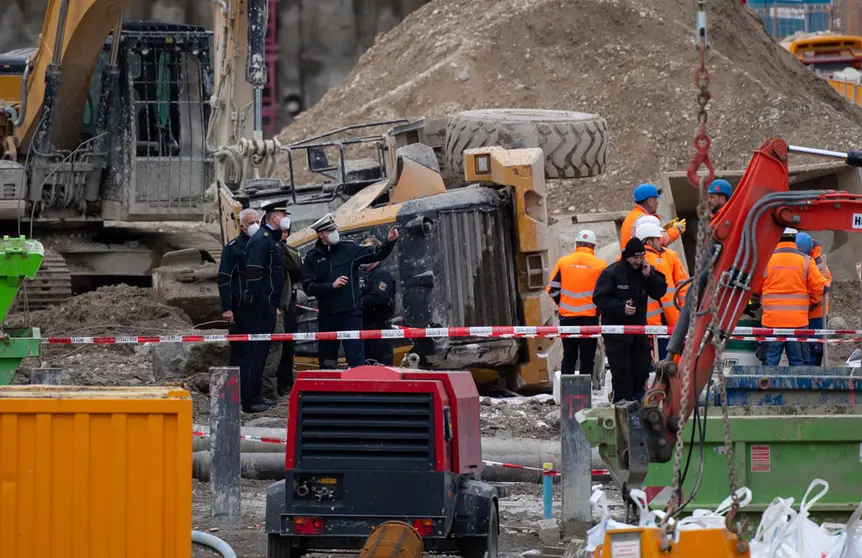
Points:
point(95, 472)
point(697, 543)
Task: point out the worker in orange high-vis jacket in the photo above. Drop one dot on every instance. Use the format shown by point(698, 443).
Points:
point(665, 260)
point(791, 284)
point(812, 353)
point(646, 200)
point(571, 286)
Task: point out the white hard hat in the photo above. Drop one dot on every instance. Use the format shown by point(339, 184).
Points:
point(649, 219)
point(587, 236)
point(648, 230)
point(789, 231)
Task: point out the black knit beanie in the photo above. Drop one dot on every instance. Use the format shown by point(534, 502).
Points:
point(634, 248)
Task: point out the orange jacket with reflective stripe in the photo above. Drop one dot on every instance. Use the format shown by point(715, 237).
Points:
point(791, 284)
point(573, 280)
point(816, 310)
point(667, 261)
point(630, 226)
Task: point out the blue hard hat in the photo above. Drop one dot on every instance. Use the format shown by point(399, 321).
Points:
point(721, 186)
point(804, 242)
point(645, 192)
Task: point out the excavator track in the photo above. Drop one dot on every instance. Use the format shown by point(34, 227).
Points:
point(52, 285)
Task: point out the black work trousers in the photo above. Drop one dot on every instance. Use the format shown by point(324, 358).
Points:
point(379, 350)
point(354, 352)
point(629, 360)
point(288, 350)
point(261, 319)
point(573, 347)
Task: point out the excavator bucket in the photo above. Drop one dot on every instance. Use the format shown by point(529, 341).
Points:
point(19, 259)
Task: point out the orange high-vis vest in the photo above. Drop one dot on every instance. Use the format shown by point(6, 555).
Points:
point(817, 310)
point(667, 261)
point(573, 281)
point(791, 284)
point(630, 226)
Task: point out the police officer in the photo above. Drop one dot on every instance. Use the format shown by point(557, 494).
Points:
point(265, 281)
point(330, 272)
point(621, 295)
point(378, 305)
point(231, 281)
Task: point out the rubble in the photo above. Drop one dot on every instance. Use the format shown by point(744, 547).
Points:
point(549, 532)
point(634, 67)
point(113, 310)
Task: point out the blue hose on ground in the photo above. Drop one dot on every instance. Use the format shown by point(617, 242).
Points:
point(213, 542)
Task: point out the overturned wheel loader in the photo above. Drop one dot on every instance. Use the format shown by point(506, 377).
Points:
point(475, 253)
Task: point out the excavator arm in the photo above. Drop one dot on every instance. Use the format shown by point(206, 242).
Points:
point(744, 233)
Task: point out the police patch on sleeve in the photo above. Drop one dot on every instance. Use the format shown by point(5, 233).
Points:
point(381, 286)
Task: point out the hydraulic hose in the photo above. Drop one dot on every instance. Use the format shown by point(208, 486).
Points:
point(213, 542)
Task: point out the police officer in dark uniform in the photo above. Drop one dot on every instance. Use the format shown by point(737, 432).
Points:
point(231, 281)
point(330, 272)
point(265, 278)
point(378, 305)
point(621, 295)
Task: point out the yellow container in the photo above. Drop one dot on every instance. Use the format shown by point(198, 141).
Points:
point(95, 472)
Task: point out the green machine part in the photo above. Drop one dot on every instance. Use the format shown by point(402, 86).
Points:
point(777, 451)
point(20, 259)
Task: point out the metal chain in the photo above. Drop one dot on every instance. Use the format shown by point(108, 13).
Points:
point(703, 257)
point(702, 141)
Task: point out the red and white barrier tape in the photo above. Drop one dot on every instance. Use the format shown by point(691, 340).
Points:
point(548, 472)
point(741, 333)
point(264, 439)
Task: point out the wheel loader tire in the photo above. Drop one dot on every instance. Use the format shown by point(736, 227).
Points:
point(575, 143)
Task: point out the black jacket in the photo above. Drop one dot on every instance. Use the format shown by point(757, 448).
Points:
point(264, 268)
point(324, 264)
point(378, 296)
point(230, 273)
point(620, 282)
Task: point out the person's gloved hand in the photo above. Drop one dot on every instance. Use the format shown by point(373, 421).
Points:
point(676, 223)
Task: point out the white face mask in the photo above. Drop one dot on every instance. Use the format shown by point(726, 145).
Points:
point(333, 237)
point(284, 224)
point(253, 228)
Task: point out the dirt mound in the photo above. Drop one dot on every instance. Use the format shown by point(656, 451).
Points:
point(113, 310)
point(117, 309)
point(626, 60)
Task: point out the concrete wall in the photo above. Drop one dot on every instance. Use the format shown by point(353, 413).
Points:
point(334, 33)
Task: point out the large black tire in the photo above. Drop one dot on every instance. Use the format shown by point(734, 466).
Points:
point(575, 143)
point(484, 547)
point(280, 547)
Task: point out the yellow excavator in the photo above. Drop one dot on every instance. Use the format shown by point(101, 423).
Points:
point(103, 128)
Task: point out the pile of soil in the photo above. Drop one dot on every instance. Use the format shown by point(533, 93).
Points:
point(629, 61)
point(112, 310)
